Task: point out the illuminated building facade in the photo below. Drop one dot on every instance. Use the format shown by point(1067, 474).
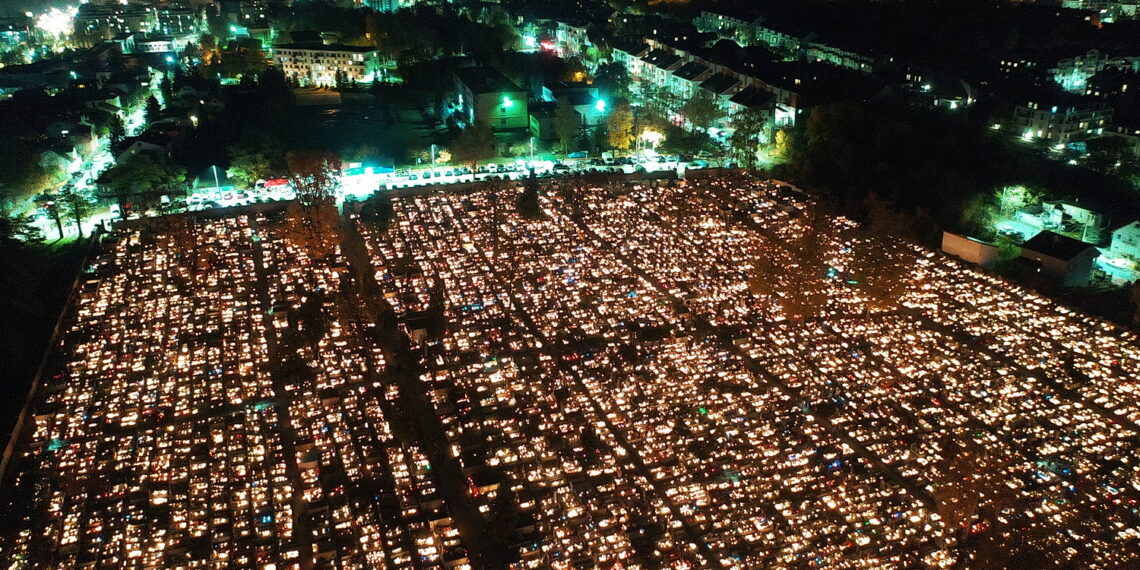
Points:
point(319, 64)
point(486, 97)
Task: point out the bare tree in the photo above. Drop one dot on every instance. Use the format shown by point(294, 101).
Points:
point(312, 221)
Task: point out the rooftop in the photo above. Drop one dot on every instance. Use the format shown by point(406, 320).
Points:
point(316, 46)
point(1056, 245)
point(485, 80)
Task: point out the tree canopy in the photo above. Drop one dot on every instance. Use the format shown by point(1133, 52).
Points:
point(701, 109)
point(619, 127)
point(567, 123)
point(313, 174)
point(475, 144)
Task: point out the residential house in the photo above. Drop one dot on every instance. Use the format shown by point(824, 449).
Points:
point(1126, 242)
point(659, 64)
point(1058, 258)
point(156, 145)
point(629, 54)
point(63, 158)
point(685, 81)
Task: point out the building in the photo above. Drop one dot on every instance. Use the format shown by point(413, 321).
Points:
point(629, 55)
point(1060, 259)
point(969, 249)
point(1061, 123)
point(775, 116)
point(16, 31)
point(390, 5)
point(1126, 242)
point(687, 79)
point(95, 23)
point(319, 64)
point(177, 20)
point(543, 125)
point(1072, 73)
point(1107, 11)
point(735, 28)
point(583, 97)
point(156, 145)
point(723, 86)
point(658, 66)
point(485, 96)
point(64, 158)
point(51, 74)
point(571, 38)
point(154, 44)
point(1112, 82)
point(1017, 68)
point(835, 54)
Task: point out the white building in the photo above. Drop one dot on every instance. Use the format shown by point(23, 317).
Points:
point(1126, 242)
point(319, 64)
point(1061, 124)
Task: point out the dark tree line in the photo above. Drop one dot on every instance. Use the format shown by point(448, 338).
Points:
point(929, 165)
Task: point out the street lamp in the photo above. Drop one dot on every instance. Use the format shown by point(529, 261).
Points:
point(433, 148)
point(217, 185)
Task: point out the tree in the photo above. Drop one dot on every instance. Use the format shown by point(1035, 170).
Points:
point(311, 221)
point(116, 129)
point(973, 498)
point(252, 158)
point(882, 262)
point(612, 79)
point(680, 141)
point(14, 228)
point(20, 172)
point(1136, 305)
point(76, 204)
point(567, 123)
point(378, 210)
point(475, 144)
point(749, 126)
point(528, 204)
point(701, 109)
point(313, 174)
point(140, 176)
point(803, 289)
point(1105, 153)
point(1013, 198)
point(314, 228)
point(619, 126)
point(781, 143)
point(153, 109)
point(167, 87)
